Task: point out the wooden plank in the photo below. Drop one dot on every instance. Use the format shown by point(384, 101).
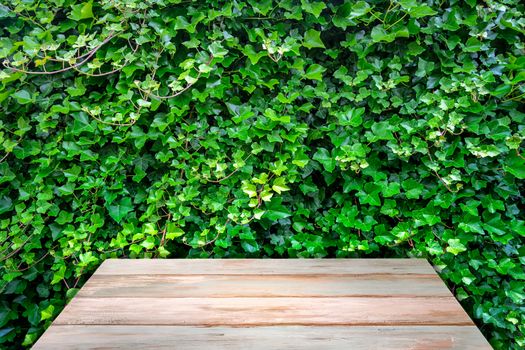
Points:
point(264, 266)
point(264, 311)
point(228, 286)
point(262, 338)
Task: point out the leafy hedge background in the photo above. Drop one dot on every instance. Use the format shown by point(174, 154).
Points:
point(165, 128)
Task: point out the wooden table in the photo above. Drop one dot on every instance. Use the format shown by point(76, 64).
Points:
point(264, 304)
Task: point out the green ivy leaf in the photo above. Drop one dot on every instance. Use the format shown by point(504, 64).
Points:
point(6, 46)
point(413, 189)
point(120, 211)
point(455, 246)
point(5, 204)
point(347, 13)
point(314, 8)
point(380, 34)
point(383, 130)
point(261, 6)
point(217, 50)
point(22, 97)
point(352, 117)
point(417, 10)
point(173, 231)
point(515, 165)
point(82, 11)
point(47, 312)
point(148, 243)
point(472, 45)
point(315, 72)
point(359, 9)
point(276, 211)
point(312, 38)
point(249, 189)
point(323, 156)
point(82, 124)
point(516, 291)
point(279, 185)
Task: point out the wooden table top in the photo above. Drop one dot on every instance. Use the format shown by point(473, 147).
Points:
point(264, 304)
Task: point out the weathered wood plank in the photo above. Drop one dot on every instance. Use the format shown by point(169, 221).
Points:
point(264, 266)
point(222, 286)
point(264, 311)
point(262, 338)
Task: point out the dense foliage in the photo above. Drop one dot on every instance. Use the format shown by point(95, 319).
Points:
point(167, 128)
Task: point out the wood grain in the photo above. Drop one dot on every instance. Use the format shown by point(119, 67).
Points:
point(230, 286)
point(264, 311)
point(358, 304)
point(264, 266)
point(262, 338)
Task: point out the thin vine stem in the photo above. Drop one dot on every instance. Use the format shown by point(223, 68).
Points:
point(90, 54)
